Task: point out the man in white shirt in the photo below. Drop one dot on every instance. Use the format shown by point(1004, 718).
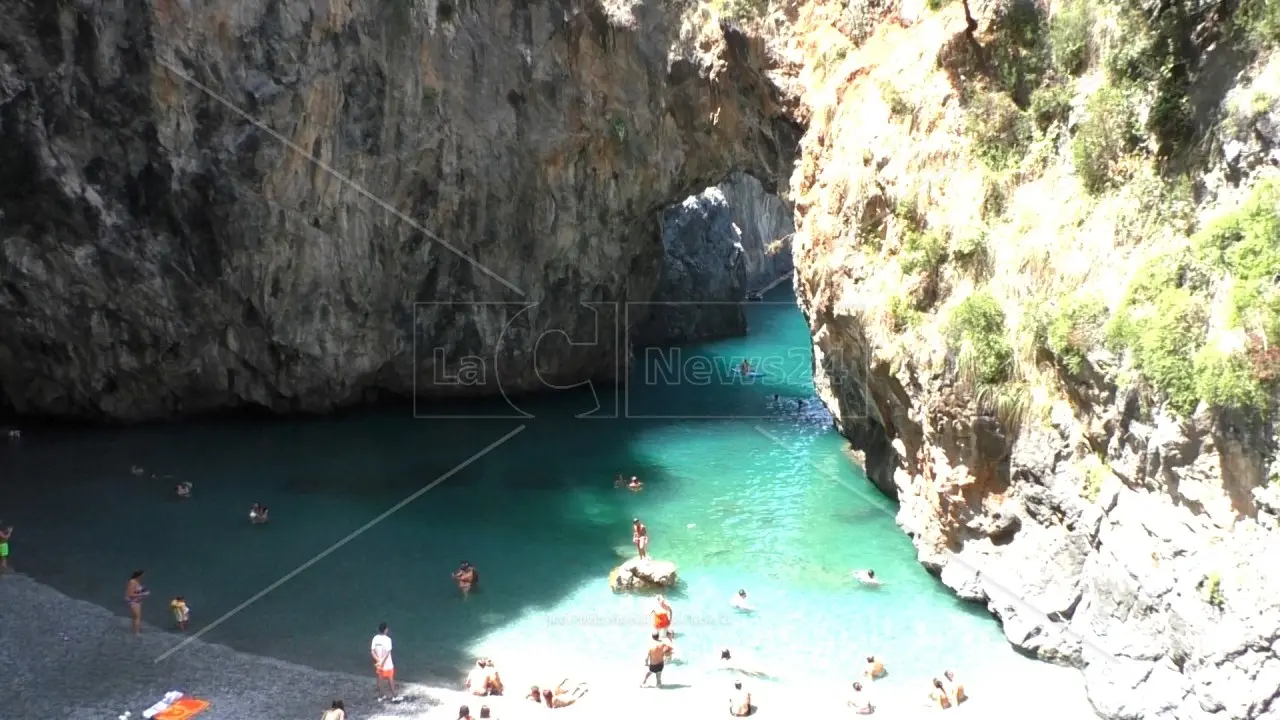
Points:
point(383, 668)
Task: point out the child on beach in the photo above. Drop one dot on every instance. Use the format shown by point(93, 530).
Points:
point(181, 613)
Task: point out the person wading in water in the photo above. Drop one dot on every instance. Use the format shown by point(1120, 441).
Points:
point(655, 659)
point(467, 578)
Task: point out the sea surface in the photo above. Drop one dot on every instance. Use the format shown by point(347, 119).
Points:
point(742, 490)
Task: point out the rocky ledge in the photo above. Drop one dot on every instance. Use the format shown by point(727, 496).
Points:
point(298, 207)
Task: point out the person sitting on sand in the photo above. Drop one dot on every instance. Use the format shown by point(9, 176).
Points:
point(739, 701)
point(336, 711)
point(484, 712)
point(938, 696)
point(258, 514)
point(953, 688)
point(464, 713)
point(640, 537)
point(866, 577)
point(183, 489)
point(875, 669)
point(535, 694)
point(739, 602)
point(478, 679)
point(859, 701)
point(467, 578)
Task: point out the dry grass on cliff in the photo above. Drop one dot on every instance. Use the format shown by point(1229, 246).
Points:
point(921, 184)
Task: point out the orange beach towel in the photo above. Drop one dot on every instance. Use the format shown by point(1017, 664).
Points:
point(185, 707)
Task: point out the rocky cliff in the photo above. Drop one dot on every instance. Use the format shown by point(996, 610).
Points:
point(702, 286)
point(1039, 250)
point(765, 224)
point(298, 205)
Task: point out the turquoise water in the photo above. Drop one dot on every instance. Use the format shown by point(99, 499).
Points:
point(761, 497)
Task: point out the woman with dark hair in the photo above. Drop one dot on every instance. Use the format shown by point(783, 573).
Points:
point(134, 592)
point(938, 696)
point(464, 713)
point(336, 711)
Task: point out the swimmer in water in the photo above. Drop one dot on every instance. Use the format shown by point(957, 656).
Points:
point(183, 489)
point(258, 514)
point(728, 663)
point(635, 483)
point(875, 669)
point(739, 602)
point(467, 578)
point(640, 537)
point(866, 577)
point(745, 368)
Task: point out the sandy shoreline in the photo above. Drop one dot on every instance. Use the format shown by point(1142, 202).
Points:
point(67, 658)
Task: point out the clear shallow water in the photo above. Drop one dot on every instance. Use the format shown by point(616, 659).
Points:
point(539, 516)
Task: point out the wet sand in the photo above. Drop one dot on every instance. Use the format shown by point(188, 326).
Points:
point(67, 658)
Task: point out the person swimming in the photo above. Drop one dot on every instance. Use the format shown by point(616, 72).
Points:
point(728, 663)
point(745, 367)
point(663, 616)
point(183, 489)
point(635, 483)
point(739, 602)
point(866, 577)
point(258, 514)
point(467, 577)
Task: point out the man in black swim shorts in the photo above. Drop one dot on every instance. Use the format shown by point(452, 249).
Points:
point(655, 659)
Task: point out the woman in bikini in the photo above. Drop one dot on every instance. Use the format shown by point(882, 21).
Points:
point(134, 592)
point(938, 697)
point(640, 537)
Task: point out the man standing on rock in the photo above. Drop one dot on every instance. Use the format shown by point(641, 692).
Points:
point(640, 538)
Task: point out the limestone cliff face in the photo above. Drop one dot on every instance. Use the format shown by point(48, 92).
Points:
point(1039, 470)
point(766, 223)
point(300, 205)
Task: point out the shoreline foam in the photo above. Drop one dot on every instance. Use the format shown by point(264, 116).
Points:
point(69, 658)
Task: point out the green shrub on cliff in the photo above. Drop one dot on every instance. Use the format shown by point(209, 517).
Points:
point(977, 326)
point(1075, 330)
point(1108, 132)
point(1245, 246)
point(922, 252)
point(1227, 380)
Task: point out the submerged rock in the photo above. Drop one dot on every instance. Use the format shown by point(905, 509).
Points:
point(703, 281)
point(646, 574)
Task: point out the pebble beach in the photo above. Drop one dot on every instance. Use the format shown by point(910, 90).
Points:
point(66, 658)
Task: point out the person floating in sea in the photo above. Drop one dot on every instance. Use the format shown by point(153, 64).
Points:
point(383, 667)
point(875, 669)
point(954, 688)
point(739, 602)
point(739, 701)
point(866, 577)
point(635, 484)
point(663, 616)
point(859, 700)
point(655, 659)
point(258, 514)
point(561, 696)
point(727, 662)
point(745, 367)
point(181, 612)
point(134, 592)
point(467, 578)
point(640, 537)
point(5, 534)
point(183, 489)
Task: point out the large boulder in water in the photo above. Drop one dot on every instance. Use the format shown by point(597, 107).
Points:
point(646, 574)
